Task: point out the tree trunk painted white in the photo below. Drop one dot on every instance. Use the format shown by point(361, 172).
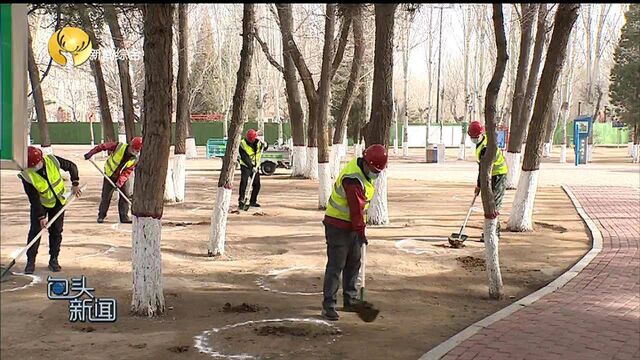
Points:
point(461, 151)
point(122, 138)
point(299, 161)
point(359, 148)
point(546, 150)
point(169, 187)
point(563, 154)
point(636, 153)
point(491, 245)
point(47, 150)
point(311, 168)
point(521, 217)
point(590, 148)
point(337, 152)
point(146, 266)
point(630, 148)
point(218, 232)
point(179, 176)
point(378, 213)
point(191, 150)
point(324, 177)
point(514, 164)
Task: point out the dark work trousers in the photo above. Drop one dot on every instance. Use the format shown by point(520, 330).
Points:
point(107, 192)
point(343, 256)
point(55, 232)
point(245, 176)
point(498, 186)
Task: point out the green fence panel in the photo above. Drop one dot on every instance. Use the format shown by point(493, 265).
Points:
point(603, 133)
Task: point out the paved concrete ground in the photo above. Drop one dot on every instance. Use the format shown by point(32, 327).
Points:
point(596, 315)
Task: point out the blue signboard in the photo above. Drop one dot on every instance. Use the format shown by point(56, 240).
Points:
point(582, 127)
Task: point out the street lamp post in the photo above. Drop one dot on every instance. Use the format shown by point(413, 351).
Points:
point(438, 121)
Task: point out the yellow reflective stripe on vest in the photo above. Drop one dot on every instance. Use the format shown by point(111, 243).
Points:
point(338, 206)
point(113, 161)
point(499, 164)
point(47, 196)
point(255, 156)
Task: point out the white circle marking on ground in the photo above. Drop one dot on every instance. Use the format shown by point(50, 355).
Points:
point(202, 344)
point(406, 246)
point(35, 279)
point(275, 273)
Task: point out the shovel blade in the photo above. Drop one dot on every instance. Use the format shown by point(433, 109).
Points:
point(457, 240)
point(366, 311)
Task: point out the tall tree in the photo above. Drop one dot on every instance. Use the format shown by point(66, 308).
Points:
point(625, 76)
point(516, 132)
point(148, 298)
point(36, 90)
point(486, 165)
point(217, 236)
point(126, 89)
point(382, 104)
point(182, 106)
point(521, 217)
point(359, 48)
point(101, 87)
point(567, 95)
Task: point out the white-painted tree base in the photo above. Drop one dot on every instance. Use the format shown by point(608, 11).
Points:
point(395, 147)
point(179, 176)
point(122, 138)
point(492, 258)
point(521, 217)
point(191, 150)
point(324, 189)
point(630, 149)
point(169, 188)
point(146, 262)
point(358, 149)
point(442, 153)
point(405, 149)
point(563, 154)
point(590, 152)
point(378, 213)
point(636, 153)
point(299, 160)
point(514, 165)
point(218, 233)
point(47, 150)
point(311, 169)
point(461, 152)
point(546, 150)
point(338, 151)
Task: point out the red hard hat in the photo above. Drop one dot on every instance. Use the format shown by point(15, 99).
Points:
point(34, 156)
point(251, 135)
point(136, 143)
point(376, 156)
point(475, 129)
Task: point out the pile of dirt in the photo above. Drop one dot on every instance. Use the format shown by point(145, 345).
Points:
point(184, 223)
point(553, 227)
point(179, 349)
point(243, 308)
point(295, 329)
point(471, 263)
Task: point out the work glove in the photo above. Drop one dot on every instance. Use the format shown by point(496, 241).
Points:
point(362, 238)
point(88, 155)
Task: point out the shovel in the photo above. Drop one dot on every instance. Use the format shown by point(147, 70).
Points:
point(365, 310)
point(456, 240)
point(5, 272)
point(111, 182)
point(245, 201)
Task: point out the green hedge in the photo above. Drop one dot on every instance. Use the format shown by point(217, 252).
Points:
point(78, 133)
point(603, 133)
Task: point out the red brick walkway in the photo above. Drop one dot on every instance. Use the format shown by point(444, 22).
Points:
point(596, 315)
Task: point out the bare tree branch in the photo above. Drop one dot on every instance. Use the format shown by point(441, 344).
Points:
point(344, 35)
point(265, 50)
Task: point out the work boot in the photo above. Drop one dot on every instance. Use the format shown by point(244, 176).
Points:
point(100, 220)
point(330, 314)
point(125, 221)
point(240, 205)
point(31, 266)
point(53, 264)
point(255, 204)
point(350, 306)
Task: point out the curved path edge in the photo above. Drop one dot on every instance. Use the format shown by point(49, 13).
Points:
point(596, 246)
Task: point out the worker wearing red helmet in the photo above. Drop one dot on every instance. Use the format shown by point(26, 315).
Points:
point(45, 188)
point(499, 170)
point(251, 149)
point(119, 166)
point(344, 224)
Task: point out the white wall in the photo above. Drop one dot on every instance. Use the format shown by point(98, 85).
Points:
point(451, 136)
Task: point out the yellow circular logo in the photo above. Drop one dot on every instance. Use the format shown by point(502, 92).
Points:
point(71, 40)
